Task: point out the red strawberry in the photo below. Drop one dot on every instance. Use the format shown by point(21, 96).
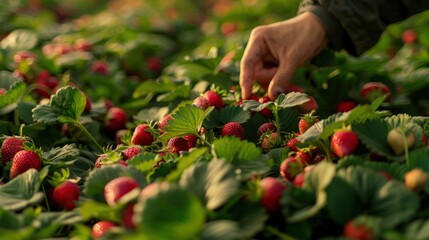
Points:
point(10, 146)
point(346, 105)
point(356, 231)
point(164, 122)
point(128, 215)
point(24, 55)
point(2, 91)
point(82, 45)
point(88, 103)
point(214, 99)
point(24, 160)
point(294, 88)
point(46, 84)
point(306, 122)
point(101, 227)
point(233, 129)
point(115, 189)
point(62, 49)
point(266, 127)
point(154, 64)
point(299, 179)
point(131, 151)
point(116, 118)
point(290, 167)
point(309, 106)
point(201, 102)
point(272, 190)
point(265, 112)
point(177, 144)
point(409, 36)
point(291, 144)
point(304, 158)
point(269, 141)
point(66, 194)
point(372, 90)
point(100, 67)
point(344, 142)
point(141, 135)
point(192, 140)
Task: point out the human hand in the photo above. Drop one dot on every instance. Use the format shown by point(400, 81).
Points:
point(275, 51)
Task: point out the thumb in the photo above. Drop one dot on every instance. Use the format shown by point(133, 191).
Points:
point(280, 81)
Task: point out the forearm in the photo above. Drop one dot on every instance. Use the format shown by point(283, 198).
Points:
point(356, 25)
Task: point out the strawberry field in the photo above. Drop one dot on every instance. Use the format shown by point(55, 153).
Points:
point(124, 120)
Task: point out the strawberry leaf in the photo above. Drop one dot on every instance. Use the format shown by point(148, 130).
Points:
point(143, 162)
point(10, 99)
point(65, 155)
point(221, 229)
point(291, 99)
point(214, 182)
point(255, 106)
point(92, 209)
point(20, 39)
point(171, 213)
point(65, 106)
point(233, 114)
point(232, 149)
point(21, 191)
point(184, 162)
point(418, 229)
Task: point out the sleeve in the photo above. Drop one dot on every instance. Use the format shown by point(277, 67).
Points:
point(356, 25)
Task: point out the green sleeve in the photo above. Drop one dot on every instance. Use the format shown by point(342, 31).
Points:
point(356, 25)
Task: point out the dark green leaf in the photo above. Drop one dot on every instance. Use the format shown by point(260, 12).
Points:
point(143, 162)
point(9, 100)
point(233, 114)
point(184, 162)
point(419, 158)
point(214, 182)
point(9, 220)
point(233, 149)
point(246, 169)
point(418, 229)
point(66, 154)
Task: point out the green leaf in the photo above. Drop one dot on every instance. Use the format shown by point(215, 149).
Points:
point(68, 103)
point(59, 218)
point(255, 106)
point(250, 216)
point(143, 162)
point(419, 158)
point(9, 100)
point(9, 220)
point(233, 114)
point(21, 191)
point(186, 120)
point(221, 229)
point(66, 154)
point(418, 229)
point(232, 149)
point(90, 209)
point(184, 162)
point(20, 39)
point(214, 182)
point(246, 169)
point(170, 213)
point(99, 177)
point(291, 99)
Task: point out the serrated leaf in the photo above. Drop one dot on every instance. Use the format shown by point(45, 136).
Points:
point(232, 149)
point(99, 177)
point(255, 106)
point(90, 209)
point(66, 154)
point(9, 100)
point(221, 229)
point(246, 169)
point(184, 162)
point(20, 39)
point(233, 114)
point(291, 99)
point(143, 162)
point(68, 103)
point(214, 182)
point(58, 218)
point(171, 213)
point(21, 191)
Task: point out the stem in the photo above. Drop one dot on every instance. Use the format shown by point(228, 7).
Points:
point(278, 234)
point(406, 153)
point(46, 198)
point(81, 127)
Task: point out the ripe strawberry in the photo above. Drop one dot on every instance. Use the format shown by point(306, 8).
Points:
point(308, 106)
point(66, 194)
point(291, 144)
point(346, 105)
point(62, 49)
point(116, 119)
point(24, 160)
point(10, 146)
point(233, 129)
point(303, 157)
point(101, 227)
point(356, 231)
point(24, 56)
point(299, 179)
point(2, 91)
point(128, 215)
point(272, 190)
point(409, 36)
point(88, 104)
point(294, 88)
point(132, 151)
point(214, 99)
point(201, 102)
point(269, 141)
point(177, 144)
point(154, 64)
point(344, 142)
point(192, 140)
point(164, 122)
point(306, 122)
point(372, 90)
point(290, 167)
point(265, 112)
point(142, 136)
point(82, 45)
point(46, 84)
point(115, 189)
point(100, 67)
point(266, 128)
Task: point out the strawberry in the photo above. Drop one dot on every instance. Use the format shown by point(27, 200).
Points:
point(62, 49)
point(66, 194)
point(266, 112)
point(101, 227)
point(128, 215)
point(2, 91)
point(82, 45)
point(116, 188)
point(396, 141)
point(24, 56)
point(46, 84)
point(115, 119)
point(24, 160)
point(269, 141)
point(372, 90)
point(290, 167)
point(306, 122)
point(153, 188)
point(416, 179)
point(233, 129)
point(214, 99)
point(272, 190)
point(346, 105)
point(88, 104)
point(164, 122)
point(177, 144)
point(294, 88)
point(308, 106)
point(357, 231)
point(10, 146)
point(299, 179)
point(154, 64)
point(201, 102)
point(100, 67)
point(132, 151)
point(409, 36)
point(142, 136)
point(291, 144)
point(303, 157)
point(192, 140)
point(267, 127)
point(344, 142)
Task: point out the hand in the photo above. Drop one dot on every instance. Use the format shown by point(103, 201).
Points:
point(275, 51)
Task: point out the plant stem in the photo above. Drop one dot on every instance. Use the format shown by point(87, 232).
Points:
point(81, 127)
point(278, 234)
point(406, 153)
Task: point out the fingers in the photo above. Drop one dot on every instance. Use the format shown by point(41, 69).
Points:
point(247, 69)
point(281, 80)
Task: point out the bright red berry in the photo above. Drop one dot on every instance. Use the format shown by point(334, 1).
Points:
point(291, 144)
point(233, 129)
point(265, 112)
point(24, 160)
point(10, 146)
point(346, 105)
point(272, 190)
point(265, 128)
point(100, 67)
point(164, 122)
point(214, 99)
point(177, 144)
point(372, 90)
point(46, 84)
point(344, 142)
point(357, 231)
point(142, 136)
point(116, 118)
point(299, 179)
point(66, 194)
point(290, 167)
point(306, 122)
point(115, 189)
point(192, 140)
point(101, 227)
point(132, 151)
point(409, 36)
point(128, 215)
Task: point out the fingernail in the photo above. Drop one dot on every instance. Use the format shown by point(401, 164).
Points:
point(277, 91)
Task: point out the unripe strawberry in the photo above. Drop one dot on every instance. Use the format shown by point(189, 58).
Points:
point(10, 146)
point(201, 102)
point(142, 136)
point(177, 145)
point(116, 188)
point(272, 190)
point(344, 142)
point(233, 129)
point(24, 160)
point(66, 194)
point(214, 99)
point(416, 179)
point(269, 141)
point(396, 141)
point(101, 227)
